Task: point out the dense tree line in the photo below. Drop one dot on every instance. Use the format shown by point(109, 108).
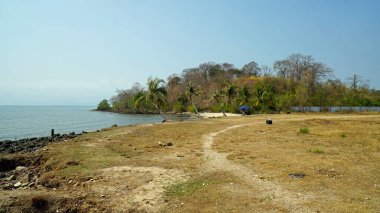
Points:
point(297, 80)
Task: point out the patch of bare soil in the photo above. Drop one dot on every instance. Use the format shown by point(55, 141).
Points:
point(139, 188)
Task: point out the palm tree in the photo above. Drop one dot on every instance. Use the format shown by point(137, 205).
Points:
point(190, 92)
point(242, 98)
point(219, 97)
point(230, 91)
point(155, 95)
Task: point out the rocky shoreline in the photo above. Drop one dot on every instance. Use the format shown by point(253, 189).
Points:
point(32, 144)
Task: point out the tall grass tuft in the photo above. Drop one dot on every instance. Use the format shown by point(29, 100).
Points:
point(317, 150)
point(304, 130)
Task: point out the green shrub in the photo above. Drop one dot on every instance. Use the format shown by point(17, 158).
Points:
point(317, 150)
point(104, 106)
point(190, 108)
point(178, 107)
point(304, 130)
point(343, 135)
point(215, 108)
point(187, 188)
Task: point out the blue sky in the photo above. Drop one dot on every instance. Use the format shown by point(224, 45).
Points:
point(76, 52)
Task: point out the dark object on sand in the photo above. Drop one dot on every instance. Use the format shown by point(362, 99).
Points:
point(297, 175)
point(245, 110)
point(39, 202)
point(268, 121)
point(7, 164)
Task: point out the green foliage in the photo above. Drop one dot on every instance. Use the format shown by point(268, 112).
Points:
point(154, 96)
point(284, 102)
point(104, 106)
point(190, 108)
point(187, 188)
point(317, 150)
point(304, 130)
point(178, 107)
point(300, 81)
point(190, 93)
point(343, 135)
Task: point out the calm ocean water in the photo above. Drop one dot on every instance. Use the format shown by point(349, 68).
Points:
point(18, 122)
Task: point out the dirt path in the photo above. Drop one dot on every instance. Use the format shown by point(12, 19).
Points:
point(218, 162)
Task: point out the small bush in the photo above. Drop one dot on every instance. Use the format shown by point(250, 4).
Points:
point(178, 107)
point(317, 150)
point(343, 135)
point(190, 108)
point(304, 130)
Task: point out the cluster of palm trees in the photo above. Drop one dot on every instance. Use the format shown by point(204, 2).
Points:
point(156, 94)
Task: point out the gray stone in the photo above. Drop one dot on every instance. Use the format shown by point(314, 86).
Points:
point(18, 184)
point(19, 168)
point(24, 184)
point(12, 177)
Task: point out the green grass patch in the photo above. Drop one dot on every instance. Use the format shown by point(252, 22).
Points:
point(317, 150)
point(187, 188)
point(304, 130)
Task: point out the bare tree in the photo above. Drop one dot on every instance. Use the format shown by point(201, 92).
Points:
point(357, 81)
point(251, 69)
point(266, 70)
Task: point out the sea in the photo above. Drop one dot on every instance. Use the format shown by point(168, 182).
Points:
point(18, 122)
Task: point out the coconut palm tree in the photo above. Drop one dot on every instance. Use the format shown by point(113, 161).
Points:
point(190, 92)
point(230, 92)
point(219, 98)
point(242, 98)
point(155, 95)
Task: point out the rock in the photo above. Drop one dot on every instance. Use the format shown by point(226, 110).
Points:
point(31, 184)
point(163, 144)
point(7, 164)
point(24, 184)
point(180, 155)
point(19, 168)
point(18, 184)
point(268, 121)
point(297, 175)
point(25, 178)
point(12, 177)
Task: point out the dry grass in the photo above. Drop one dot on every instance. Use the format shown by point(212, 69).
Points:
point(341, 172)
point(339, 156)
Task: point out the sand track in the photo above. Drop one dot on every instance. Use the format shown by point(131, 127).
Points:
point(218, 162)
